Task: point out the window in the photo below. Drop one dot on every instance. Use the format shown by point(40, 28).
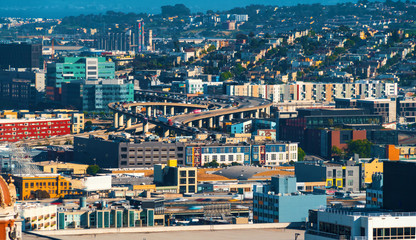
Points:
point(350, 173)
point(329, 174)
point(394, 233)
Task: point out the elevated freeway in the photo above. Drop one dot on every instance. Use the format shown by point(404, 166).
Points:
point(180, 115)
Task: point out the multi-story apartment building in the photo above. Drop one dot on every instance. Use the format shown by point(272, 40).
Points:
point(335, 175)
point(360, 223)
point(262, 154)
point(101, 218)
point(41, 186)
point(184, 178)
point(281, 202)
point(76, 68)
point(38, 217)
point(384, 107)
point(406, 108)
point(95, 95)
point(20, 55)
point(13, 130)
point(374, 192)
point(319, 92)
point(21, 89)
point(77, 118)
point(116, 153)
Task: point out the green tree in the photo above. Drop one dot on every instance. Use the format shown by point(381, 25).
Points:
point(337, 151)
point(211, 48)
point(344, 28)
point(361, 147)
point(225, 75)
point(88, 126)
point(301, 154)
point(93, 169)
point(213, 164)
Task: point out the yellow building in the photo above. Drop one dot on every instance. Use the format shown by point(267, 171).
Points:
point(77, 119)
point(183, 178)
point(150, 187)
point(368, 169)
point(60, 167)
point(8, 114)
point(41, 186)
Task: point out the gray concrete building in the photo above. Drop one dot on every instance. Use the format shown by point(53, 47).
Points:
point(122, 154)
point(340, 176)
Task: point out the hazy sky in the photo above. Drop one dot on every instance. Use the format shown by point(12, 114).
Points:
point(60, 8)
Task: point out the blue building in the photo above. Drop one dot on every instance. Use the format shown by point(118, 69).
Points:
point(70, 69)
point(251, 126)
point(104, 218)
point(95, 95)
point(280, 202)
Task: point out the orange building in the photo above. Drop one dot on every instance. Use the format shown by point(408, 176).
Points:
point(41, 186)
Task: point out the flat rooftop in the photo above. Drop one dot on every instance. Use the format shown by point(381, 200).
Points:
point(238, 234)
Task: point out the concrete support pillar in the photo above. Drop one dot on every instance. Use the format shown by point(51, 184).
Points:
point(185, 110)
point(149, 111)
point(121, 120)
point(210, 122)
point(115, 119)
point(189, 124)
point(220, 120)
point(154, 112)
point(230, 117)
point(172, 111)
point(164, 110)
point(128, 124)
point(242, 115)
point(267, 110)
point(165, 132)
point(134, 109)
point(145, 127)
point(200, 123)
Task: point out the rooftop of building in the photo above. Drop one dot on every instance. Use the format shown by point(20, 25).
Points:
point(251, 172)
point(46, 163)
point(367, 212)
point(312, 112)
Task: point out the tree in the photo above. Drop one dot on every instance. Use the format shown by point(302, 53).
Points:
point(360, 147)
point(41, 194)
point(93, 169)
point(225, 75)
point(337, 152)
point(344, 28)
point(301, 154)
point(213, 164)
point(235, 164)
point(177, 10)
point(88, 126)
point(211, 48)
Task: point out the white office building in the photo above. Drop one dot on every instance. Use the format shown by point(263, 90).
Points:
point(360, 224)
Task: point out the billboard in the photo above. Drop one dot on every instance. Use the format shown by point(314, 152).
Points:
point(97, 183)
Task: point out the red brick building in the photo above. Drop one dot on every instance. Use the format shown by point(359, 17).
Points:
point(13, 130)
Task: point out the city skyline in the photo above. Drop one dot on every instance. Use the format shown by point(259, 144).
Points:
point(62, 8)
